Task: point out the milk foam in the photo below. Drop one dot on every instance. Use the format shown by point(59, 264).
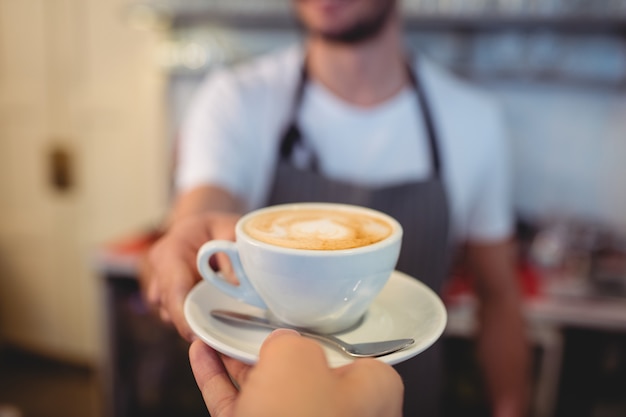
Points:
point(317, 229)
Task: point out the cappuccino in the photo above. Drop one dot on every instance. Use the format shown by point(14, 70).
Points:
point(289, 260)
point(317, 228)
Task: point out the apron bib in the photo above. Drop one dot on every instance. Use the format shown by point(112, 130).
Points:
point(420, 207)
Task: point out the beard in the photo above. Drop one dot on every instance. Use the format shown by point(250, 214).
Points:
point(365, 28)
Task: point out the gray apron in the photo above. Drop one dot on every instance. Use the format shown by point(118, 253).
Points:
point(420, 206)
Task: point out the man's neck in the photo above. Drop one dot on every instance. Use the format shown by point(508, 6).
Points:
point(365, 74)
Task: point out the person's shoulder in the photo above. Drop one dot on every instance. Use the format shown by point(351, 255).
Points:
point(260, 84)
point(272, 66)
point(271, 72)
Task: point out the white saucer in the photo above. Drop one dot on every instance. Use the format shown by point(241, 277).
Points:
point(405, 308)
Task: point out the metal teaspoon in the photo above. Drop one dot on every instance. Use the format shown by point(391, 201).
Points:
point(359, 350)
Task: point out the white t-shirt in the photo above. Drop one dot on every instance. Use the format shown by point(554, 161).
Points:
point(231, 134)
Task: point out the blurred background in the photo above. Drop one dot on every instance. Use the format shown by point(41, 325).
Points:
point(91, 97)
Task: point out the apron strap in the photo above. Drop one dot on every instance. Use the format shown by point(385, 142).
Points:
point(291, 135)
point(428, 118)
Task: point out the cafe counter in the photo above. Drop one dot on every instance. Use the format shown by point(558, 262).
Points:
point(579, 346)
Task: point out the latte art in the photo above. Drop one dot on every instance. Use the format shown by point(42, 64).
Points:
point(317, 229)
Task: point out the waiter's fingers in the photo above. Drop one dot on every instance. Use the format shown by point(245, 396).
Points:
point(213, 380)
point(180, 283)
point(225, 267)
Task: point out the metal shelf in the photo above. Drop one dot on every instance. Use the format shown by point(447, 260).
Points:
point(565, 48)
point(573, 24)
point(277, 15)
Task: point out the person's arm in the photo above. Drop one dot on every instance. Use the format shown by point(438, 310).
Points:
point(292, 378)
point(212, 177)
point(503, 348)
point(202, 199)
point(168, 271)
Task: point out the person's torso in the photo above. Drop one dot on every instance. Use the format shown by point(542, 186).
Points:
point(382, 145)
point(262, 91)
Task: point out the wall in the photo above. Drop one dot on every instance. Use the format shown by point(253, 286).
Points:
point(562, 87)
point(569, 149)
point(73, 77)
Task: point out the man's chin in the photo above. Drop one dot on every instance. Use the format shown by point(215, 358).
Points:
point(358, 31)
point(352, 36)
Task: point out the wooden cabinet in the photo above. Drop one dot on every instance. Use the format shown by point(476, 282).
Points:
point(82, 160)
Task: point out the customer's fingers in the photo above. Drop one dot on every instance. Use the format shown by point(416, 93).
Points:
point(375, 380)
point(291, 378)
point(280, 332)
point(213, 380)
point(238, 370)
point(290, 355)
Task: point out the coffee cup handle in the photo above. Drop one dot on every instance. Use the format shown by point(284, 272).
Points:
point(244, 292)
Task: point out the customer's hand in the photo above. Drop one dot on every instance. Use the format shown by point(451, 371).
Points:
point(169, 272)
point(292, 378)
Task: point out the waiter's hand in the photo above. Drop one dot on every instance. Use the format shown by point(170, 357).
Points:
point(168, 271)
point(292, 378)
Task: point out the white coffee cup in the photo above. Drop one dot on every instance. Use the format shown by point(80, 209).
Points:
point(311, 265)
